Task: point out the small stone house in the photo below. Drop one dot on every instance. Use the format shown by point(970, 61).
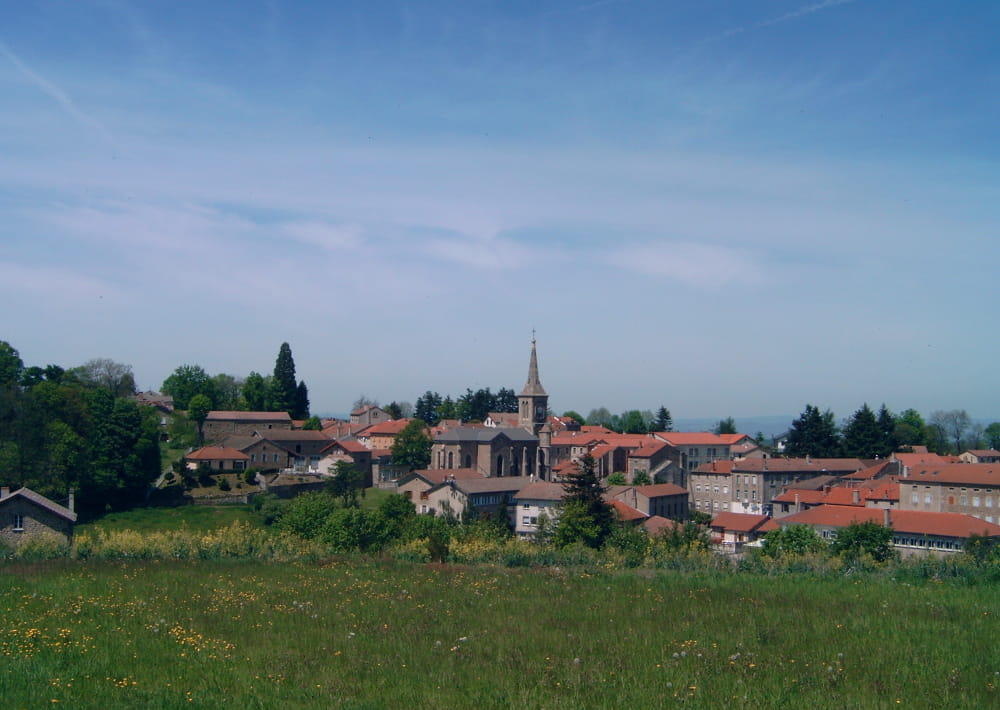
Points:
point(25, 515)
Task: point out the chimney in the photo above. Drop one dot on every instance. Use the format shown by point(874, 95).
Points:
point(4, 491)
point(808, 459)
point(886, 520)
point(796, 502)
point(71, 503)
point(857, 496)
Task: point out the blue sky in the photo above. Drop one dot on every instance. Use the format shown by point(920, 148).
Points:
point(729, 208)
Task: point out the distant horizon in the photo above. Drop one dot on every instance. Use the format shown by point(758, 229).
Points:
point(742, 207)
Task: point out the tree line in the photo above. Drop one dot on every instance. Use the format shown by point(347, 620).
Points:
point(192, 387)
point(76, 428)
point(868, 435)
point(471, 406)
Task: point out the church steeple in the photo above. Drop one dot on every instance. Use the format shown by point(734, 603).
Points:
point(533, 387)
point(533, 402)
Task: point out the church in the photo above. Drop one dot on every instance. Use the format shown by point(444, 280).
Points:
point(523, 450)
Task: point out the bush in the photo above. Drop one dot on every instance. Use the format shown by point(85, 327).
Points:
point(224, 484)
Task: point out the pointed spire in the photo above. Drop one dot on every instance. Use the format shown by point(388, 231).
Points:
point(533, 387)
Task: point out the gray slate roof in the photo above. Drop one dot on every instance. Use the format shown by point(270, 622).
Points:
point(483, 435)
point(43, 502)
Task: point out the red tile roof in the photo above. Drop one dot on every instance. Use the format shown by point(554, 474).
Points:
point(916, 522)
point(626, 512)
point(739, 522)
point(692, 438)
point(720, 466)
point(924, 458)
point(656, 524)
point(658, 490)
point(351, 446)
point(733, 439)
point(217, 453)
point(973, 474)
point(388, 428)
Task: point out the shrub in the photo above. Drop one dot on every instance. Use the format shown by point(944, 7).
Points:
point(224, 484)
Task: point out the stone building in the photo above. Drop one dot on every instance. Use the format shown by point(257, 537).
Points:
point(25, 515)
point(969, 488)
point(220, 424)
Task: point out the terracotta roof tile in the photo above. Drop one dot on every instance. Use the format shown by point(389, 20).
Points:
point(915, 522)
point(981, 474)
point(739, 522)
point(626, 512)
point(229, 415)
point(216, 453)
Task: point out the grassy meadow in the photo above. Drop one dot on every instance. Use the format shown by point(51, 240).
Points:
point(357, 632)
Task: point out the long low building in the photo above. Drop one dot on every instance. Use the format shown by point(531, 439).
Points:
point(913, 531)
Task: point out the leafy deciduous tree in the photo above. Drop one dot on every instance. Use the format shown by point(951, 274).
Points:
point(187, 381)
point(198, 409)
point(255, 389)
point(412, 446)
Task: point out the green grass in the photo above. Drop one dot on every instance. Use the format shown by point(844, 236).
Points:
point(360, 633)
point(199, 518)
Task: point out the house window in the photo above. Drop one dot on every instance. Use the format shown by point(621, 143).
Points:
point(276, 458)
point(725, 490)
point(989, 501)
point(526, 520)
point(927, 498)
point(975, 501)
point(526, 506)
point(18, 522)
point(962, 500)
point(915, 497)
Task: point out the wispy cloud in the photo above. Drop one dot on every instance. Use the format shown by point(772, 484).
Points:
point(57, 94)
point(693, 264)
point(802, 12)
point(792, 15)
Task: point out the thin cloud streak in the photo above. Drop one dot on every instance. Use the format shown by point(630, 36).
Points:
point(57, 94)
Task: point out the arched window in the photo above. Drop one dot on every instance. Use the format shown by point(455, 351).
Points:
point(468, 460)
point(500, 465)
point(451, 459)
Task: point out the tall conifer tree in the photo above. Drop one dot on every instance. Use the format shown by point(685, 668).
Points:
point(283, 385)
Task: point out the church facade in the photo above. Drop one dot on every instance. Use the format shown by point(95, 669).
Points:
point(504, 451)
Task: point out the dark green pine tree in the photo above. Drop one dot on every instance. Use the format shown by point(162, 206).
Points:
point(586, 517)
point(886, 431)
point(862, 437)
point(283, 386)
point(814, 433)
point(664, 422)
point(301, 406)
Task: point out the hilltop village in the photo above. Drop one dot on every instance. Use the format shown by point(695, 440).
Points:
point(520, 462)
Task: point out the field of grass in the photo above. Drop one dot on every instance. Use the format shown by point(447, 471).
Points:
point(362, 633)
point(196, 518)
